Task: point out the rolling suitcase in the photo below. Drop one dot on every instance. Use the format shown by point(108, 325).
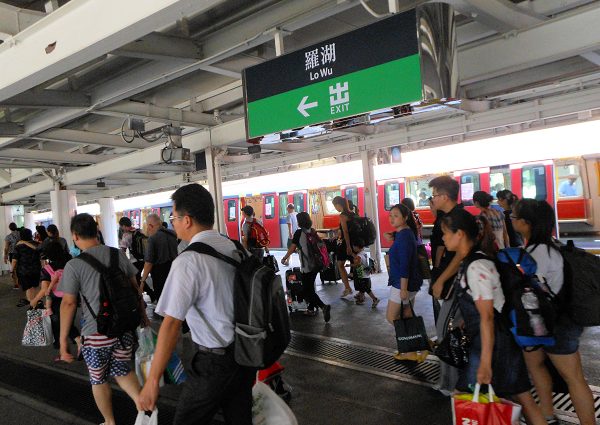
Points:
point(294, 291)
point(331, 274)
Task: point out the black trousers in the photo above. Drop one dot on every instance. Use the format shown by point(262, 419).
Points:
point(159, 277)
point(216, 382)
point(308, 284)
point(55, 322)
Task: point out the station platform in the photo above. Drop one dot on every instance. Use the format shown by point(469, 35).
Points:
point(341, 372)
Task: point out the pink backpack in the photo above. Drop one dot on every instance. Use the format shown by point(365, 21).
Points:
point(55, 276)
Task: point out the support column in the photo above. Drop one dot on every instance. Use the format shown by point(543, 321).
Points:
point(64, 207)
point(370, 189)
point(213, 177)
point(30, 222)
point(108, 222)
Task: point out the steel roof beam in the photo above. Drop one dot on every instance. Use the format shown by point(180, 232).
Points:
point(66, 135)
point(53, 156)
point(552, 40)
point(217, 136)
point(63, 40)
point(47, 99)
point(158, 46)
point(159, 114)
point(14, 19)
point(11, 129)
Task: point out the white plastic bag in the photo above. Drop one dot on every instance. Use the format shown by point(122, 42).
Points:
point(143, 419)
point(145, 353)
point(268, 408)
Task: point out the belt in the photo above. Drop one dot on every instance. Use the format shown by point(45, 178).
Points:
point(217, 351)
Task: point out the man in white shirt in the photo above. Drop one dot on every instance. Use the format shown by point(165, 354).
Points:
point(201, 283)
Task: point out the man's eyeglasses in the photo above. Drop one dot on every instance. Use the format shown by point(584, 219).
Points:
point(178, 217)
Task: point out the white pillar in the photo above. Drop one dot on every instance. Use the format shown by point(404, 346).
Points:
point(370, 189)
point(215, 187)
point(278, 36)
point(108, 222)
point(29, 221)
point(64, 207)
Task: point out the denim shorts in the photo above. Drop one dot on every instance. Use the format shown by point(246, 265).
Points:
point(567, 336)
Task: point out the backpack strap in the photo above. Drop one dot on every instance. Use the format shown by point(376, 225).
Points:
point(202, 248)
point(100, 268)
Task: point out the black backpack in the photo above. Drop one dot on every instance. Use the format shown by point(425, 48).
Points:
point(580, 294)
point(119, 301)
point(362, 231)
point(262, 327)
point(138, 245)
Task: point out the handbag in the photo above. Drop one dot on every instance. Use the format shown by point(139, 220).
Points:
point(411, 334)
point(271, 262)
point(145, 353)
point(268, 408)
point(38, 329)
point(423, 260)
point(490, 410)
point(454, 348)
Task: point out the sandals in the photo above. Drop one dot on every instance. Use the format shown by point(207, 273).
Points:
point(22, 302)
point(375, 302)
point(346, 292)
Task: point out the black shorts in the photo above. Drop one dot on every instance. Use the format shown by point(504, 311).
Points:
point(11, 257)
point(28, 282)
point(340, 252)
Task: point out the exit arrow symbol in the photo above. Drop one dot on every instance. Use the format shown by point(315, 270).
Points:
point(303, 106)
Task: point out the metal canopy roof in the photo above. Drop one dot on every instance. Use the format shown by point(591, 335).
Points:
point(73, 71)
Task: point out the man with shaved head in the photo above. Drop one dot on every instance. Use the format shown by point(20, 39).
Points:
point(160, 253)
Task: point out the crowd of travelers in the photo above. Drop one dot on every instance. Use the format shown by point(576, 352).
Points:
point(194, 293)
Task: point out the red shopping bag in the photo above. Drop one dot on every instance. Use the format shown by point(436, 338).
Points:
point(469, 410)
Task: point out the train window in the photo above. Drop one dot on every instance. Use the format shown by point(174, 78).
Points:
point(419, 190)
point(283, 202)
point(299, 201)
point(534, 182)
point(165, 214)
point(351, 194)
point(231, 210)
point(569, 181)
point(269, 206)
point(469, 184)
point(329, 195)
point(391, 192)
point(499, 180)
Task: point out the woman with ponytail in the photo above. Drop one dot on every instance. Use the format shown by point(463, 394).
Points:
point(494, 357)
point(534, 220)
point(344, 247)
point(404, 276)
point(482, 201)
point(506, 200)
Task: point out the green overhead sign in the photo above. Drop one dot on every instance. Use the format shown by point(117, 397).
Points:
point(371, 68)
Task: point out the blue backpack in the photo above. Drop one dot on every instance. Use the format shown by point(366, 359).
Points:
point(530, 309)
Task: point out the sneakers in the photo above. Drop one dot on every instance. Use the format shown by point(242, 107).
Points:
point(326, 313)
point(16, 287)
point(346, 292)
point(360, 302)
point(375, 302)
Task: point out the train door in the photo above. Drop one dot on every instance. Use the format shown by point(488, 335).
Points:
point(283, 227)
point(355, 194)
point(299, 199)
point(389, 193)
point(417, 188)
point(270, 218)
point(534, 180)
point(231, 210)
point(572, 199)
point(471, 181)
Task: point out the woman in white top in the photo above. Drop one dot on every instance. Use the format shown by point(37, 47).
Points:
point(534, 220)
point(494, 357)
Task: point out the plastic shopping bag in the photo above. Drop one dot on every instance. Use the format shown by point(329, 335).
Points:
point(143, 419)
point(145, 353)
point(38, 329)
point(175, 371)
point(268, 408)
point(479, 409)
